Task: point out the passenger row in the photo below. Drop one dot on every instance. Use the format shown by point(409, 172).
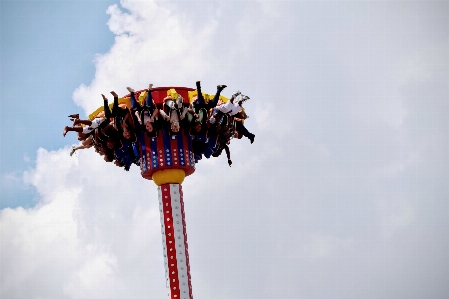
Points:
point(118, 134)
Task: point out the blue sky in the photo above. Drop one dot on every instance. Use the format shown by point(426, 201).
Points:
point(343, 194)
point(47, 50)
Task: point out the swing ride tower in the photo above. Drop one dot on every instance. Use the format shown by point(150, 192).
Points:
point(167, 158)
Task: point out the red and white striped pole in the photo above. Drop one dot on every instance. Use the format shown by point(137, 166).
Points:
point(166, 160)
point(174, 241)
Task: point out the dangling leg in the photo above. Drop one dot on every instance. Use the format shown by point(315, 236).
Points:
point(228, 154)
point(107, 111)
point(83, 122)
point(244, 131)
point(214, 102)
point(134, 104)
point(80, 146)
point(149, 99)
point(199, 103)
point(115, 110)
point(75, 129)
point(115, 106)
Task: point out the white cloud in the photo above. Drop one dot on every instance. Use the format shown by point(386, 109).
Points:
point(83, 233)
point(403, 217)
point(95, 227)
point(36, 239)
point(319, 246)
point(332, 205)
point(153, 45)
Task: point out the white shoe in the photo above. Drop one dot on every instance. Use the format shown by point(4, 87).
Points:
point(72, 151)
point(235, 93)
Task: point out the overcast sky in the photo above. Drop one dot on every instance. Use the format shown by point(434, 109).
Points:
point(344, 193)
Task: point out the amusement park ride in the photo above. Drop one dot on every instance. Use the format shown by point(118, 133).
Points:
point(167, 158)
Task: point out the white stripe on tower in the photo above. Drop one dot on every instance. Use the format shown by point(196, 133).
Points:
point(186, 245)
point(180, 240)
point(174, 240)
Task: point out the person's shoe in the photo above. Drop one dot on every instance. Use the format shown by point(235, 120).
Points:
point(235, 93)
point(198, 84)
point(245, 98)
point(252, 138)
point(74, 116)
point(114, 94)
point(221, 87)
point(72, 151)
point(150, 86)
point(130, 89)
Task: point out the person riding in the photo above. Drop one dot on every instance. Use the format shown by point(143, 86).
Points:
point(173, 112)
point(145, 116)
point(123, 120)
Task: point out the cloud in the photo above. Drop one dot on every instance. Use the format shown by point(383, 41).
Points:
point(95, 232)
point(152, 45)
point(346, 199)
point(266, 113)
point(320, 246)
point(85, 234)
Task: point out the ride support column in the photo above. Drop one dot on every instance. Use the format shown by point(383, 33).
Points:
point(174, 241)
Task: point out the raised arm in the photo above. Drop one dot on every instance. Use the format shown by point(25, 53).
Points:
point(163, 114)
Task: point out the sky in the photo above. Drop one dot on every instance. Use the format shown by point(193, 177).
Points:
point(343, 194)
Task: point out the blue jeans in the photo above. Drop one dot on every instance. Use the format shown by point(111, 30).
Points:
point(201, 103)
point(241, 129)
point(148, 101)
point(107, 112)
